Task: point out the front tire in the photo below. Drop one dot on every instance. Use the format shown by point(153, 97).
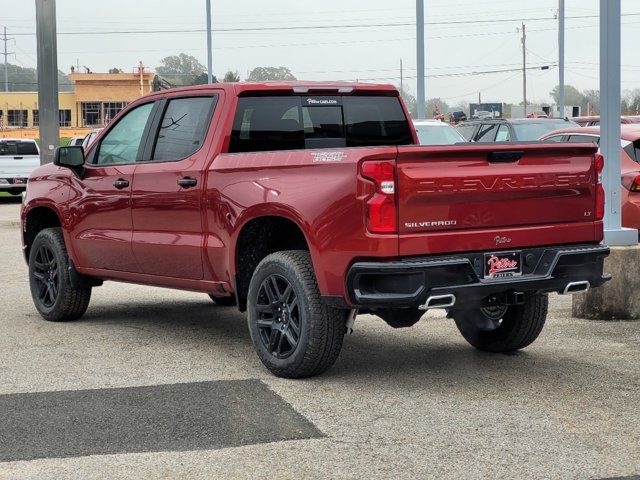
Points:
point(294, 333)
point(503, 328)
point(53, 295)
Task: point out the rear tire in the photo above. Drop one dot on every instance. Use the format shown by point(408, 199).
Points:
point(53, 295)
point(294, 333)
point(512, 328)
point(223, 301)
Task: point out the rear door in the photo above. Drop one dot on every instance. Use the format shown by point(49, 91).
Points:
point(494, 187)
point(167, 189)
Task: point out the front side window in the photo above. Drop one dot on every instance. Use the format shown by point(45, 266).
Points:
point(183, 127)
point(291, 122)
point(121, 143)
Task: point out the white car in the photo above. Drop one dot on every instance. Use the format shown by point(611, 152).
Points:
point(18, 158)
point(76, 142)
point(435, 132)
point(91, 136)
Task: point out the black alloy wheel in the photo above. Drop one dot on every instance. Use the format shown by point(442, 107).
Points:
point(278, 316)
point(46, 275)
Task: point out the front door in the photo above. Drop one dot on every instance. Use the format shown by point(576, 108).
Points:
point(101, 199)
point(167, 195)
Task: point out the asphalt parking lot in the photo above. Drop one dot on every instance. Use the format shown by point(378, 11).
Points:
point(156, 383)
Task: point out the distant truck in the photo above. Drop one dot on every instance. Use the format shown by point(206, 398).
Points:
point(18, 158)
point(304, 203)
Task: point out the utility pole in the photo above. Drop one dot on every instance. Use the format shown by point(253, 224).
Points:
point(47, 79)
point(420, 59)
point(479, 99)
point(561, 59)
point(6, 53)
point(610, 26)
point(209, 50)
point(524, 69)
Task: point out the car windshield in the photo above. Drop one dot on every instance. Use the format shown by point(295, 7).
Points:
point(530, 131)
point(18, 148)
point(438, 135)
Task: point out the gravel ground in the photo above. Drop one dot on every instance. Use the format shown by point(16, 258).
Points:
point(412, 403)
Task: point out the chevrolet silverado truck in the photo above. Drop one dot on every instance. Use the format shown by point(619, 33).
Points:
point(306, 203)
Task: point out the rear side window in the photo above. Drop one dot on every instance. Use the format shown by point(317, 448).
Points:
point(297, 122)
point(583, 139)
point(18, 148)
point(487, 133)
point(183, 127)
point(503, 134)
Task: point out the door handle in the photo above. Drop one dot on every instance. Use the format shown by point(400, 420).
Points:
point(121, 183)
point(187, 182)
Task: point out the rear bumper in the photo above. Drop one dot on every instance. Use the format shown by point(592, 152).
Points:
point(409, 282)
point(13, 184)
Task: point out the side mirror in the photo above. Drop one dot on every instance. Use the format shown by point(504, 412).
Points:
point(71, 157)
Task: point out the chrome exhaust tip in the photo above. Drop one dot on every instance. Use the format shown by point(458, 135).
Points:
point(576, 287)
point(439, 301)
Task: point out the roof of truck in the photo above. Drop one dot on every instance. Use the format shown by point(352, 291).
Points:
point(298, 86)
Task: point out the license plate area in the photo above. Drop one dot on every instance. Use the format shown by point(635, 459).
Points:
point(502, 265)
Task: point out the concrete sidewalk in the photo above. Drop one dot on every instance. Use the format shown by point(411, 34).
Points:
point(413, 403)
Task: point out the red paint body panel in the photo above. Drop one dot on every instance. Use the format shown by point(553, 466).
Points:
point(157, 233)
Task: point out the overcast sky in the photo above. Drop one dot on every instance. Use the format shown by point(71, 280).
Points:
point(485, 37)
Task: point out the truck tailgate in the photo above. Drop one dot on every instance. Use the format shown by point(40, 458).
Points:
point(462, 190)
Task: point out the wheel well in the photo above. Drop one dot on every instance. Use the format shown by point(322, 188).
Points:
point(259, 238)
point(38, 219)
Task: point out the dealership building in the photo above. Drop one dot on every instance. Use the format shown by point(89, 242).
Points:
point(97, 98)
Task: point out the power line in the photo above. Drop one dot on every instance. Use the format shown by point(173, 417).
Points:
point(317, 27)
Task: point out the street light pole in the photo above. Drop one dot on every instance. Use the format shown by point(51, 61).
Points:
point(561, 59)
point(47, 79)
point(209, 49)
point(420, 57)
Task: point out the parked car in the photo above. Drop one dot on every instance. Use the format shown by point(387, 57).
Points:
point(435, 132)
point(594, 120)
point(538, 114)
point(18, 158)
point(457, 117)
point(629, 160)
point(304, 203)
point(91, 136)
point(510, 130)
point(75, 141)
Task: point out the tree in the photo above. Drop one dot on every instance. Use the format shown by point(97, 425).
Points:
point(591, 101)
point(261, 74)
point(115, 70)
point(182, 69)
point(435, 106)
point(231, 77)
point(572, 96)
point(24, 79)
point(411, 103)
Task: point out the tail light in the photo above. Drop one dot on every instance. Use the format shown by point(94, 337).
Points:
point(381, 206)
point(631, 181)
point(599, 189)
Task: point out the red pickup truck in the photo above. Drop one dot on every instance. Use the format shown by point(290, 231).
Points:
point(305, 203)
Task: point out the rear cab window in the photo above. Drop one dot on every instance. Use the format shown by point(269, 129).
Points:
point(10, 149)
point(292, 122)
